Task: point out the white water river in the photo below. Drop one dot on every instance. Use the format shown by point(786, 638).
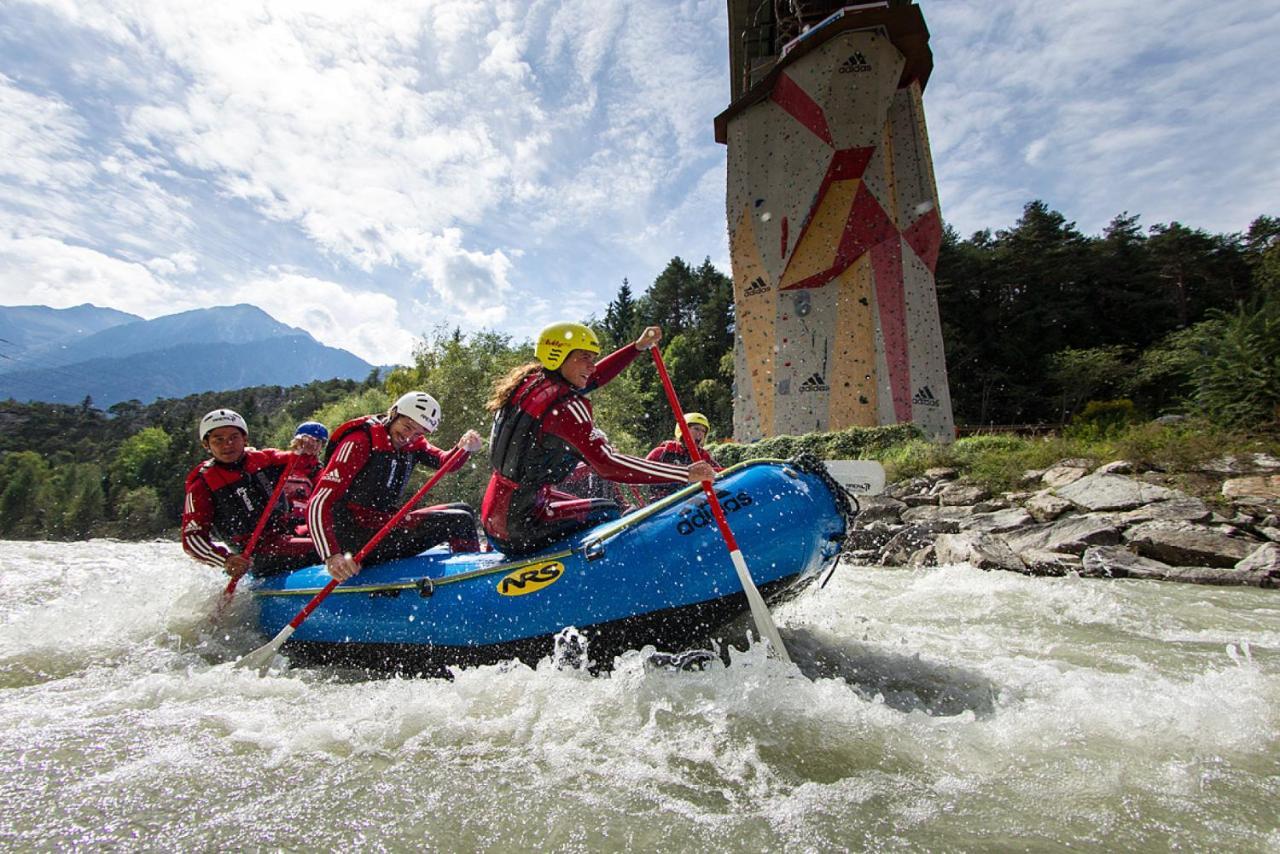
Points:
point(947, 709)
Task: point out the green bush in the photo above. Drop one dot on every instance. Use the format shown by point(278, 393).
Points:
point(1102, 419)
point(1238, 384)
point(850, 443)
point(139, 514)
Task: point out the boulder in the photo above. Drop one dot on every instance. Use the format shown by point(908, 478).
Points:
point(927, 515)
point(984, 551)
point(861, 539)
point(1061, 475)
point(1113, 492)
point(1265, 557)
point(1119, 562)
point(1183, 509)
point(1253, 491)
point(878, 508)
point(1187, 544)
point(1044, 506)
point(998, 522)
point(913, 486)
point(960, 494)
point(1042, 562)
point(940, 473)
point(910, 540)
point(923, 557)
point(1116, 467)
point(1242, 464)
point(1073, 534)
point(920, 500)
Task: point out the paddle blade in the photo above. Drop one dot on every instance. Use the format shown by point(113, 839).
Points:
point(260, 659)
point(759, 611)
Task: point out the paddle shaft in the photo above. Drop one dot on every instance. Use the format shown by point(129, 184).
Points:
point(261, 526)
point(267, 651)
point(759, 611)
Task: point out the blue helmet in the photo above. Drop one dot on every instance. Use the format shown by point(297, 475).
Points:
point(314, 429)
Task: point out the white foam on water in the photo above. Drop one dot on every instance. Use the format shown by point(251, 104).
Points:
point(934, 708)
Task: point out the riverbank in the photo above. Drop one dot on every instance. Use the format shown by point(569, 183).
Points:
point(1112, 519)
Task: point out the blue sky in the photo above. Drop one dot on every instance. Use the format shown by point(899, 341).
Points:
point(368, 171)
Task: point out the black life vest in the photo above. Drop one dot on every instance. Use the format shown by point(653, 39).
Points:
point(240, 493)
point(380, 484)
point(518, 448)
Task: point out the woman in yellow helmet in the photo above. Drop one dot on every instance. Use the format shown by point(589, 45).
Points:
point(673, 451)
point(543, 426)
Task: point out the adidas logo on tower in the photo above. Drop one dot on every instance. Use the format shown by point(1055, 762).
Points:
point(924, 397)
point(816, 382)
point(855, 63)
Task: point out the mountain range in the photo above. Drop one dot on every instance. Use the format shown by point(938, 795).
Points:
point(63, 355)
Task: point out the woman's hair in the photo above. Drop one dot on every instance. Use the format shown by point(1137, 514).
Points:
point(508, 383)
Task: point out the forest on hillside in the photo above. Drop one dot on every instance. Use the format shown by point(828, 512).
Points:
point(1040, 323)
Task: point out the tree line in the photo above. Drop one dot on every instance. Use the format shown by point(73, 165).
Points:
point(1041, 324)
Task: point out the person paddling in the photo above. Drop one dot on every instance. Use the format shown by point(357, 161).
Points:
point(674, 451)
point(227, 496)
point(366, 471)
point(544, 425)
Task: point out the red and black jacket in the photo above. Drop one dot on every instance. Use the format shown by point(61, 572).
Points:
point(541, 433)
point(364, 479)
point(226, 500)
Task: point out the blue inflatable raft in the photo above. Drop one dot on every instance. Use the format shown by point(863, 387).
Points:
point(660, 576)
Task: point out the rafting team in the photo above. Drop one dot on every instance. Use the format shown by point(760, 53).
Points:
point(327, 496)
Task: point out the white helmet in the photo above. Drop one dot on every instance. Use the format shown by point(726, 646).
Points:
point(420, 407)
point(222, 418)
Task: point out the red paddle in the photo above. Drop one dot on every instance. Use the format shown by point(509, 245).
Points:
point(759, 611)
point(257, 532)
point(261, 657)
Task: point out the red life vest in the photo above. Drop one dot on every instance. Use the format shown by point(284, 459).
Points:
point(379, 485)
point(240, 493)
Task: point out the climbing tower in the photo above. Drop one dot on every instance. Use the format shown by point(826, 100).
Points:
point(833, 219)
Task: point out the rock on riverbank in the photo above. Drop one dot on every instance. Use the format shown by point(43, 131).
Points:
point(1106, 521)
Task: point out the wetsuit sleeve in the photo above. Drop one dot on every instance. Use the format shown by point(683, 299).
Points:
point(571, 420)
point(611, 365)
point(197, 523)
point(349, 457)
point(656, 454)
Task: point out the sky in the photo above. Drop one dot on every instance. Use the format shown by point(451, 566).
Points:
point(368, 172)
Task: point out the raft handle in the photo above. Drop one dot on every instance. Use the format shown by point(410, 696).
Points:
point(426, 588)
point(593, 550)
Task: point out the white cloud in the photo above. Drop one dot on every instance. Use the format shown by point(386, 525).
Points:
point(364, 323)
point(40, 140)
point(44, 271)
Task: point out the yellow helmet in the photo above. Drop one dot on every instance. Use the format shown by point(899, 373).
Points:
point(695, 418)
point(558, 340)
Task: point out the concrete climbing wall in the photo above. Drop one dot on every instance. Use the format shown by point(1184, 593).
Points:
point(834, 234)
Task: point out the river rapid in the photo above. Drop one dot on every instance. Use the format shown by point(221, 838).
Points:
point(942, 709)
